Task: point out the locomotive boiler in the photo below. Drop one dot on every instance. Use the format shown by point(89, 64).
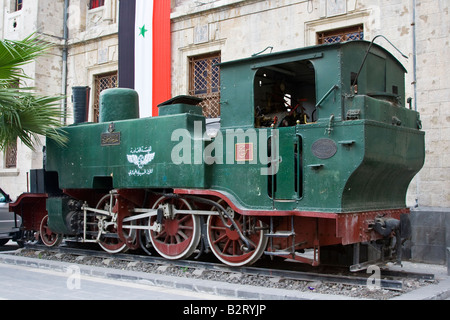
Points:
point(310, 160)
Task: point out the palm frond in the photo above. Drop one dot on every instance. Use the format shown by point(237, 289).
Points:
point(15, 54)
point(24, 114)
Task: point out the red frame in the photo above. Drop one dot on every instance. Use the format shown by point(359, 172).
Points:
point(32, 208)
point(317, 228)
point(312, 229)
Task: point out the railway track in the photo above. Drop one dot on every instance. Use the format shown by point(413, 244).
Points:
point(392, 281)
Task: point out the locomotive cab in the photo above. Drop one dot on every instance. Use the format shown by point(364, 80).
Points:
point(330, 105)
point(305, 85)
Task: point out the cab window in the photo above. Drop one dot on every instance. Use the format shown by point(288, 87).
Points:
point(285, 95)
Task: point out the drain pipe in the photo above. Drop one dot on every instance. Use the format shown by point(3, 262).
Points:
point(413, 24)
point(64, 60)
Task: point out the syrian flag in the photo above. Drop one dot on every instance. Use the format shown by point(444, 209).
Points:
point(144, 51)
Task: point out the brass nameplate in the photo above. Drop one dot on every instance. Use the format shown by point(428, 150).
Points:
point(110, 139)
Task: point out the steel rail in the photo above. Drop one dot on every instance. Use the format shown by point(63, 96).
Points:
point(356, 280)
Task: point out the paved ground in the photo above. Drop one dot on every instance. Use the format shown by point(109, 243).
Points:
point(26, 278)
point(31, 283)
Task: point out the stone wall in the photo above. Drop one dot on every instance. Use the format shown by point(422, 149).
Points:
point(93, 45)
point(92, 50)
point(429, 239)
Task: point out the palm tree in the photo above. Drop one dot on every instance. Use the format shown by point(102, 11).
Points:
point(24, 114)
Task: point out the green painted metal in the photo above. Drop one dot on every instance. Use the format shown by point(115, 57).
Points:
point(285, 179)
point(118, 104)
point(179, 108)
point(392, 158)
point(57, 208)
point(375, 143)
point(358, 151)
point(130, 154)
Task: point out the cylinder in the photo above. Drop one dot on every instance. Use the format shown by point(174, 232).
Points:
point(80, 99)
point(119, 104)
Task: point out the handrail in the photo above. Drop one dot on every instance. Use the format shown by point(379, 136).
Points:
point(326, 95)
point(367, 53)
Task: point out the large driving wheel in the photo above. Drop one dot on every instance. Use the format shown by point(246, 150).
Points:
point(227, 244)
point(109, 239)
point(180, 234)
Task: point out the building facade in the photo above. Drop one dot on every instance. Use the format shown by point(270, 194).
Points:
point(85, 54)
point(206, 32)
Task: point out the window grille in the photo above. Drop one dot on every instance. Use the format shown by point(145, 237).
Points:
point(341, 35)
point(96, 3)
point(11, 156)
point(18, 5)
point(103, 82)
point(204, 82)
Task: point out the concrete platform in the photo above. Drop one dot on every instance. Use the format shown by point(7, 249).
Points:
point(440, 291)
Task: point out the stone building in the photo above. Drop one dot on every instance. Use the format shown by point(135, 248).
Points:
point(85, 54)
point(205, 32)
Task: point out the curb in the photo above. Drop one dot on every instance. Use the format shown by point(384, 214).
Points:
point(221, 289)
point(440, 291)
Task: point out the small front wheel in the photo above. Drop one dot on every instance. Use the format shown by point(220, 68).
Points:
point(48, 237)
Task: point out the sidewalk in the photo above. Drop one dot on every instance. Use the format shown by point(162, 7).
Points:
point(440, 291)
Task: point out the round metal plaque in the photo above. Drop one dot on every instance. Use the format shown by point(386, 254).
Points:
point(324, 148)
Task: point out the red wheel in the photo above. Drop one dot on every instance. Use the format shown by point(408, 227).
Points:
point(125, 230)
point(48, 237)
point(226, 244)
point(109, 239)
point(180, 234)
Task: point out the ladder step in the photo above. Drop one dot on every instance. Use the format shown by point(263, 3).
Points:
point(281, 234)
